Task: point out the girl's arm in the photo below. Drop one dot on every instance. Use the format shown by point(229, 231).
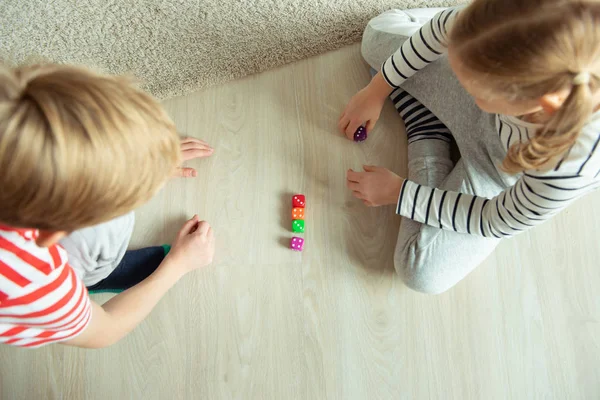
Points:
point(425, 46)
point(530, 202)
point(533, 199)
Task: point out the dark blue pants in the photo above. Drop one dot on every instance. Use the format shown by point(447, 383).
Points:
point(136, 266)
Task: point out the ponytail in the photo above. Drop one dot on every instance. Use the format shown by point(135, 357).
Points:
point(559, 133)
point(526, 49)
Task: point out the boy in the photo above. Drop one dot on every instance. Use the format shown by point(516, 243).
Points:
point(78, 149)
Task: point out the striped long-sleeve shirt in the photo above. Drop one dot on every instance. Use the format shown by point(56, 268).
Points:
point(536, 196)
point(41, 299)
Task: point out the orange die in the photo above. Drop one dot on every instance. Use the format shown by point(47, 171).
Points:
point(297, 213)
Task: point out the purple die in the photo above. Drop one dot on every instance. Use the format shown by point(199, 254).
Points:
point(361, 134)
point(297, 244)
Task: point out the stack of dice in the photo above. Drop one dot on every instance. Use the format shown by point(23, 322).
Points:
point(299, 205)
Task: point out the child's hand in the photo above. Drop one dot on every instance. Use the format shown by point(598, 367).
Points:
point(376, 186)
point(364, 107)
point(192, 148)
point(194, 246)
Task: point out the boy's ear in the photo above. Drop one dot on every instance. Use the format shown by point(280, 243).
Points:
point(48, 238)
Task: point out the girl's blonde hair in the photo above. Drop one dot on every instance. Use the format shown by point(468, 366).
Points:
point(78, 148)
point(525, 49)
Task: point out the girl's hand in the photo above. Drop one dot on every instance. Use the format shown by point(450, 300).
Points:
point(376, 186)
point(365, 107)
point(192, 148)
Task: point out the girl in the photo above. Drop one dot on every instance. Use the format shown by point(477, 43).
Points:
point(514, 85)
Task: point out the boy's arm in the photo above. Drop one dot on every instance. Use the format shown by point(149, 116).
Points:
point(192, 249)
point(121, 314)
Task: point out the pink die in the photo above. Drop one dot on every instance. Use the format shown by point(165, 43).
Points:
point(297, 244)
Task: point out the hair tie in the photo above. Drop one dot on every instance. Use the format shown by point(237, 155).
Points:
point(582, 78)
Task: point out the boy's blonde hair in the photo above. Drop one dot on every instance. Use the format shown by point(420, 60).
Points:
point(526, 49)
point(78, 148)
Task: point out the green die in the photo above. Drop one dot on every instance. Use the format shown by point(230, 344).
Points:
point(298, 226)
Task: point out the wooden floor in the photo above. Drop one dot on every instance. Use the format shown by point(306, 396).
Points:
point(333, 322)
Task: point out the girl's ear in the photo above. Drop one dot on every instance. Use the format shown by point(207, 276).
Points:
point(552, 102)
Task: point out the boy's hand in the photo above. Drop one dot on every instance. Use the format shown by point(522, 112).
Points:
point(192, 148)
point(194, 246)
point(376, 186)
point(364, 107)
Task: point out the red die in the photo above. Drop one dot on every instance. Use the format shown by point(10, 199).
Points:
point(297, 213)
point(299, 201)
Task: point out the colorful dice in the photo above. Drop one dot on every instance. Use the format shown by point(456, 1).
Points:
point(298, 204)
point(361, 134)
point(298, 226)
point(298, 201)
point(297, 213)
point(297, 244)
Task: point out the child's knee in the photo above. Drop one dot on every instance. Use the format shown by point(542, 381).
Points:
point(419, 278)
point(384, 34)
point(419, 273)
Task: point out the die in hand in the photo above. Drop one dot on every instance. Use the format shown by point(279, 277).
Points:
point(361, 134)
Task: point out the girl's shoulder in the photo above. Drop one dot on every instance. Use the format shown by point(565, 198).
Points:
point(583, 159)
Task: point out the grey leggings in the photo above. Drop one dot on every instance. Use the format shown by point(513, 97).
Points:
point(429, 259)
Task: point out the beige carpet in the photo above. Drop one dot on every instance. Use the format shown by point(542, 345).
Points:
point(178, 46)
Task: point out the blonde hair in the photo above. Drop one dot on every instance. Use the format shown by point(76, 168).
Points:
point(526, 49)
point(78, 148)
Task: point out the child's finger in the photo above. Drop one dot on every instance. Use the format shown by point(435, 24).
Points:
point(367, 203)
point(203, 228)
point(353, 176)
point(186, 172)
point(343, 124)
point(189, 139)
point(370, 125)
point(358, 195)
point(370, 168)
point(188, 227)
point(194, 145)
point(352, 185)
point(352, 127)
point(196, 153)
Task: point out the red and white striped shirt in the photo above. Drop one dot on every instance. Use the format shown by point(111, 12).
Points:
point(42, 301)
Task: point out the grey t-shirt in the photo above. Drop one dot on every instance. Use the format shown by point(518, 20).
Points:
point(95, 252)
